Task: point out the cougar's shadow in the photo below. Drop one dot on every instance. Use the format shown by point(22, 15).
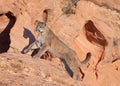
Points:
point(27, 34)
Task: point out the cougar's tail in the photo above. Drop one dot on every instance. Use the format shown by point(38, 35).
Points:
point(88, 56)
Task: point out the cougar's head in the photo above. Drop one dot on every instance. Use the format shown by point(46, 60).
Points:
point(41, 27)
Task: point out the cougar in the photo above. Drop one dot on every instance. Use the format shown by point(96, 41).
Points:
point(48, 41)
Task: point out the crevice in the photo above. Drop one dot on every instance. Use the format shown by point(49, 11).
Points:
point(5, 35)
point(96, 74)
point(1, 14)
point(114, 60)
point(116, 68)
point(99, 60)
point(82, 73)
point(47, 56)
point(95, 37)
point(46, 14)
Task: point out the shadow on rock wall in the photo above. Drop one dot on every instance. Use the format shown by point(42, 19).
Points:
point(4, 36)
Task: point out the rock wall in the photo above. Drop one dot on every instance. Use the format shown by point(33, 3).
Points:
point(88, 26)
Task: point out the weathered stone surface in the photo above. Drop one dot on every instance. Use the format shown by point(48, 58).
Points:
point(3, 22)
point(22, 70)
point(89, 26)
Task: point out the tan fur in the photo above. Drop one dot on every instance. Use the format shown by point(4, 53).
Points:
point(51, 43)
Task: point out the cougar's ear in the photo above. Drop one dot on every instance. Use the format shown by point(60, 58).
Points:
point(39, 22)
point(36, 21)
point(44, 24)
point(38, 28)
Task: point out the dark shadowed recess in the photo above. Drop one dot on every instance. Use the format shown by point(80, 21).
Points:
point(94, 35)
point(5, 35)
point(46, 14)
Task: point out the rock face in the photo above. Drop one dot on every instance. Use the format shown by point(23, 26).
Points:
point(22, 70)
point(87, 26)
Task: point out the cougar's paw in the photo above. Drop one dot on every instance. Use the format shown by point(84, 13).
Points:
point(76, 77)
point(24, 51)
point(35, 56)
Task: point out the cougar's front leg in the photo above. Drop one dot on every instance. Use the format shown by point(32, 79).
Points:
point(42, 50)
point(34, 45)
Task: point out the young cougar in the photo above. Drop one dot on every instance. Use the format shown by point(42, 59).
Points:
point(48, 41)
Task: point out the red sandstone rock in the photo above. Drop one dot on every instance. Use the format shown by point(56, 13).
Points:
point(18, 69)
point(90, 26)
point(3, 22)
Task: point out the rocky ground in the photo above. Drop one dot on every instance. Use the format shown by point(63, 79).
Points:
point(22, 70)
point(88, 26)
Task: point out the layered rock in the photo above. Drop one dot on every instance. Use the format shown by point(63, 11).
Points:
point(22, 70)
point(88, 26)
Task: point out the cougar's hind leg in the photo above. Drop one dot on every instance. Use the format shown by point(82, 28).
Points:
point(74, 67)
point(76, 72)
